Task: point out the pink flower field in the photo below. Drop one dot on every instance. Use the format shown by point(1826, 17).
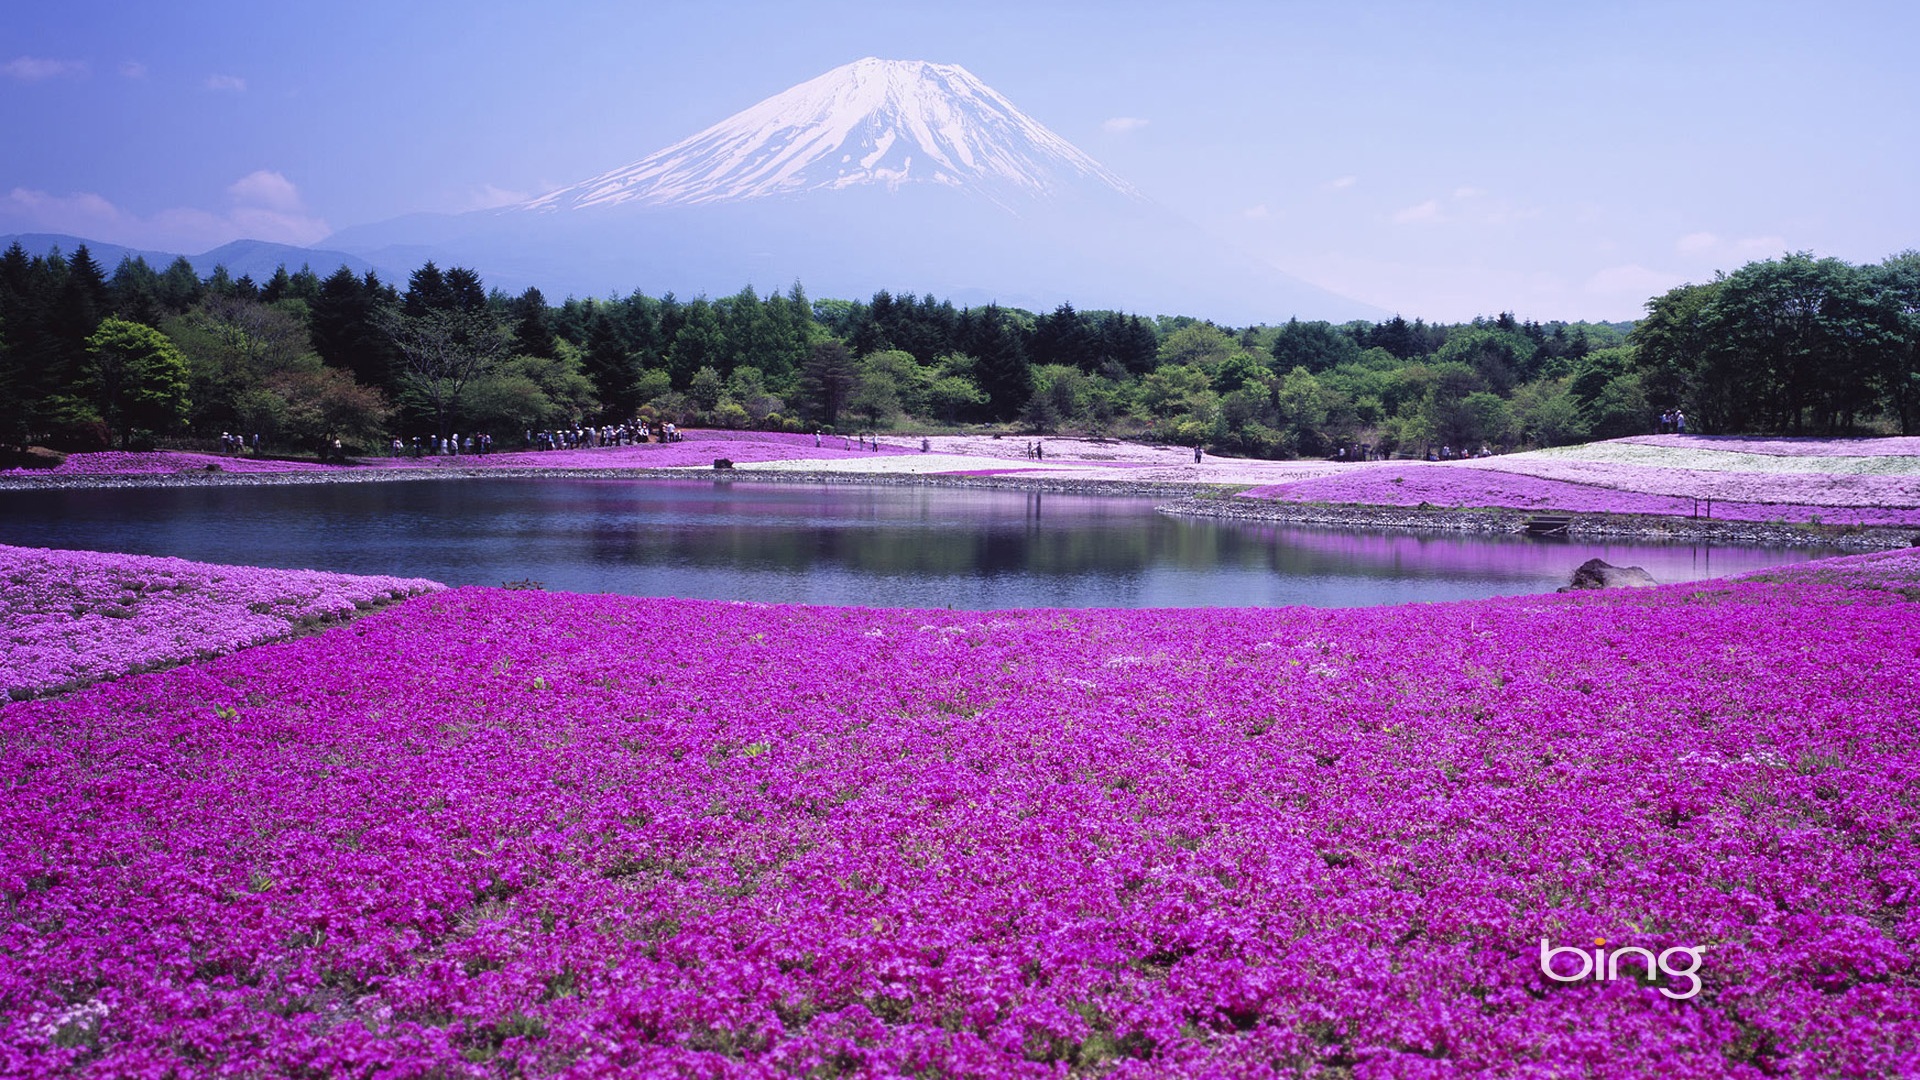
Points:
point(148, 462)
point(494, 833)
point(1464, 485)
point(77, 616)
point(697, 450)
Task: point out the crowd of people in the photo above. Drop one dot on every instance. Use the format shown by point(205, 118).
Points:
point(457, 445)
point(1448, 453)
point(1673, 421)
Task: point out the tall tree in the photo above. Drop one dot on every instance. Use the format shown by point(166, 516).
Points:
point(532, 325)
point(442, 352)
point(135, 378)
point(613, 371)
point(1897, 281)
point(827, 381)
point(1000, 359)
point(347, 332)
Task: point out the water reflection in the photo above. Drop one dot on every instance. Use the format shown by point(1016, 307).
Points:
point(833, 544)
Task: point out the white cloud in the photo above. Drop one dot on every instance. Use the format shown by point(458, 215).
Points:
point(133, 69)
point(36, 68)
point(233, 83)
point(1747, 248)
point(53, 212)
point(1761, 247)
point(489, 197)
point(263, 205)
point(1419, 212)
point(265, 188)
point(1120, 125)
point(1693, 243)
point(1340, 183)
point(1468, 192)
point(1257, 213)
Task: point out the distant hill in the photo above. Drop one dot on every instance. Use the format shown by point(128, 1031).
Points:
point(257, 259)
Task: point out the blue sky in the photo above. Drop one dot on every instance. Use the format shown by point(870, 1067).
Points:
point(1437, 159)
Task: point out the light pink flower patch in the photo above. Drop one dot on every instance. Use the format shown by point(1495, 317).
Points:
point(1898, 446)
point(1466, 486)
point(77, 616)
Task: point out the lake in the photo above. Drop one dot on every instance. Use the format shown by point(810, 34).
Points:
point(824, 544)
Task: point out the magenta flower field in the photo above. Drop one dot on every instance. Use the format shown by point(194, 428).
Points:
point(1462, 485)
point(76, 616)
point(148, 462)
point(499, 833)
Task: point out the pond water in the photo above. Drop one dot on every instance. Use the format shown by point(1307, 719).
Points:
point(823, 544)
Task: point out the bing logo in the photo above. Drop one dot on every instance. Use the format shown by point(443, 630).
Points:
point(1602, 966)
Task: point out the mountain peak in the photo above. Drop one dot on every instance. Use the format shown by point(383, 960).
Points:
point(871, 122)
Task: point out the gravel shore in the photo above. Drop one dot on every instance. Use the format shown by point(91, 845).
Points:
point(1597, 526)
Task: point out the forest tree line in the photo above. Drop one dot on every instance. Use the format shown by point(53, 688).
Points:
point(149, 356)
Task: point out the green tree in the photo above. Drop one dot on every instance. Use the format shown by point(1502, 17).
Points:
point(1897, 283)
point(827, 381)
point(1316, 346)
point(1548, 414)
point(992, 336)
point(951, 396)
point(1198, 345)
point(442, 351)
point(134, 378)
point(706, 388)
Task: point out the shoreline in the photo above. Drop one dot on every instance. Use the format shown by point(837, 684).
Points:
point(1090, 486)
point(1497, 520)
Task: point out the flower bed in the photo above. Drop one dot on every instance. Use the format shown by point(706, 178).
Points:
point(76, 616)
point(1884, 492)
point(497, 833)
point(146, 462)
point(1464, 485)
point(1893, 446)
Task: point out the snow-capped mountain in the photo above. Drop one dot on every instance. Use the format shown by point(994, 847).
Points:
point(910, 176)
point(885, 122)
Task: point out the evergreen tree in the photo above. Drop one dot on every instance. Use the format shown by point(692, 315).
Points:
point(135, 292)
point(278, 286)
point(532, 327)
point(1000, 361)
point(699, 342)
point(304, 285)
point(1066, 338)
point(180, 287)
point(827, 381)
point(612, 370)
point(427, 290)
point(464, 290)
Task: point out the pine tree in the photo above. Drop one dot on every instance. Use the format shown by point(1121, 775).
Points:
point(180, 287)
point(532, 327)
point(427, 291)
point(1000, 366)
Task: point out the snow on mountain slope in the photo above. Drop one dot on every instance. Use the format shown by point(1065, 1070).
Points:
point(879, 122)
